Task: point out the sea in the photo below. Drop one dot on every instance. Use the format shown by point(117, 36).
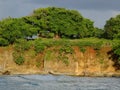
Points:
point(58, 82)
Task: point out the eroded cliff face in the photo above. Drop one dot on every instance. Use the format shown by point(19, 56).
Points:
point(92, 62)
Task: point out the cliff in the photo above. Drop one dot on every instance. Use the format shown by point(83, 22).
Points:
point(92, 62)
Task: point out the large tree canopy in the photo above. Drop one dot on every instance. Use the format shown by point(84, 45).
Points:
point(112, 28)
point(47, 22)
point(15, 28)
point(61, 22)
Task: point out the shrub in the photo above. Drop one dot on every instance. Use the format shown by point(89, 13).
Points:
point(3, 42)
point(66, 49)
point(48, 55)
point(51, 35)
point(22, 45)
point(82, 49)
point(39, 46)
point(116, 49)
point(19, 60)
point(97, 45)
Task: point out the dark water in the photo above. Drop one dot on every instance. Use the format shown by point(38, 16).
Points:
point(49, 82)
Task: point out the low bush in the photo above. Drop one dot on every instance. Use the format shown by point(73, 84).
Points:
point(116, 49)
point(22, 45)
point(66, 49)
point(82, 49)
point(18, 59)
point(3, 42)
point(39, 46)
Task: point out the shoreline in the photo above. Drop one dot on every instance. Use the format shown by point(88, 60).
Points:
point(8, 73)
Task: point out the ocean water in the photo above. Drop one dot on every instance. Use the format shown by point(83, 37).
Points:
point(50, 82)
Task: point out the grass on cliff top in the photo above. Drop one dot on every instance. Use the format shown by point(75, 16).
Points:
point(75, 42)
point(93, 42)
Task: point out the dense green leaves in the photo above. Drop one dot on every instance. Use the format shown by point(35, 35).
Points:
point(55, 22)
point(112, 28)
point(19, 60)
point(46, 22)
point(39, 46)
point(3, 42)
point(98, 33)
point(13, 29)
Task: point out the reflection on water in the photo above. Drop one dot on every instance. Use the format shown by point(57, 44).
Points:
point(50, 82)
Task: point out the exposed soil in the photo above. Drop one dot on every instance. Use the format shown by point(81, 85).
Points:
point(90, 63)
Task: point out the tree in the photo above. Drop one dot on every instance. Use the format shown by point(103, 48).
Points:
point(112, 27)
point(47, 22)
point(12, 29)
point(8, 31)
point(63, 22)
point(98, 33)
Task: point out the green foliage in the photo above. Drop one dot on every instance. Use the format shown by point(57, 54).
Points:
point(18, 58)
point(82, 49)
point(60, 42)
point(49, 55)
point(22, 45)
point(116, 48)
point(83, 43)
point(62, 22)
point(19, 48)
point(91, 42)
point(115, 54)
point(10, 29)
point(66, 49)
point(98, 45)
point(51, 35)
point(112, 27)
point(3, 42)
point(65, 60)
point(98, 33)
point(117, 36)
point(39, 46)
point(47, 22)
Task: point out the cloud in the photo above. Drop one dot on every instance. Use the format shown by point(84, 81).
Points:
point(16, 8)
point(97, 10)
point(81, 4)
point(114, 13)
point(99, 17)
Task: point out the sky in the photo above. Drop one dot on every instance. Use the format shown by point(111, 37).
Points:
point(97, 10)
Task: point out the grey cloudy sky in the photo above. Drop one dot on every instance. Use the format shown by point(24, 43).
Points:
point(97, 10)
